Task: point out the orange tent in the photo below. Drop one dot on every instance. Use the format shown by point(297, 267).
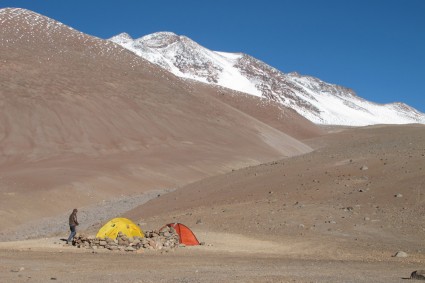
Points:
point(185, 234)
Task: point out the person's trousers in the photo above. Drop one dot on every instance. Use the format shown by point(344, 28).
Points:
point(73, 232)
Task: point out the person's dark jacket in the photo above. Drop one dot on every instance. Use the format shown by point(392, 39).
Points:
point(73, 219)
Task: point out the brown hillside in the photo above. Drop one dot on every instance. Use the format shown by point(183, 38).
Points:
point(83, 120)
point(361, 189)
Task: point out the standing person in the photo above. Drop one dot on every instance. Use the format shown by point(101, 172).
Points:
point(73, 222)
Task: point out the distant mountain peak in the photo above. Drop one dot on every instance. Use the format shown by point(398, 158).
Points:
point(16, 11)
point(159, 39)
point(122, 36)
point(30, 17)
point(318, 101)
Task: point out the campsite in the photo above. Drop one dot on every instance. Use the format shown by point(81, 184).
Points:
point(172, 177)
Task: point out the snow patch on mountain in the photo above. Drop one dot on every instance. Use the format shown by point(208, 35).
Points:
point(318, 101)
point(187, 59)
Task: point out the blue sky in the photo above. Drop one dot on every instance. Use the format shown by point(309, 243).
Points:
point(376, 47)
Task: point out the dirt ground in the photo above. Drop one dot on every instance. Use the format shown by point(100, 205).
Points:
point(242, 259)
point(338, 214)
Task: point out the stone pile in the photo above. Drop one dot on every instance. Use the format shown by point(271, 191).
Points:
point(165, 239)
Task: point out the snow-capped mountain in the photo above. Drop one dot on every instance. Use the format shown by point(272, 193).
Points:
point(318, 101)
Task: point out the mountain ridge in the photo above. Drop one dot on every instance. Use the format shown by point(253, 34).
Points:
point(318, 101)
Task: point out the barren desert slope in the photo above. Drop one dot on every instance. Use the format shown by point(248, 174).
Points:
point(83, 120)
point(362, 188)
point(338, 214)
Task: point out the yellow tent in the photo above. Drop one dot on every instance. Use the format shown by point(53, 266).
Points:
point(116, 225)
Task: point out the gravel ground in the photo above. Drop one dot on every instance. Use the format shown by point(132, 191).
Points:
point(191, 266)
point(90, 218)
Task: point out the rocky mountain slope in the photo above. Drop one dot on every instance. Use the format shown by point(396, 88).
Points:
point(84, 120)
point(318, 101)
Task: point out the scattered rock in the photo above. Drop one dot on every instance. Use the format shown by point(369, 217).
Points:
point(166, 238)
point(418, 274)
point(364, 167)
point(400, 254)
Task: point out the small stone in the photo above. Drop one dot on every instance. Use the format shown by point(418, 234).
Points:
point(199, 221)
point(364, 167)
point(130, 249)
point(167, 229)
point(400, 254)
point(167, 234)
point(366, 218)
point(17, 269)
point(398, 195)
point(122, 242)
